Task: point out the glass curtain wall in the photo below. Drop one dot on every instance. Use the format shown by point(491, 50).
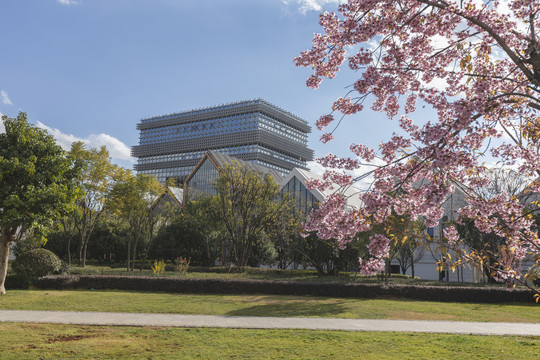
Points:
point(201, 181)
point(304, 200)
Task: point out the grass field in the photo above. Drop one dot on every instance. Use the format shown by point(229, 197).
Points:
point(41, 341)
point(269, 274)
point(265, 305)
point(47, 341)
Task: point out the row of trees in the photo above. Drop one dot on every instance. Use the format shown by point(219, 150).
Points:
point(88, 206)
point(45, 190)
point(107, 195)
point(109, 217)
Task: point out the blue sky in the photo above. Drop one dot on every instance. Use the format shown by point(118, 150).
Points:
point(91, 69)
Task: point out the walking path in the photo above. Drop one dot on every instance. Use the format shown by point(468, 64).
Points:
point(247, 322)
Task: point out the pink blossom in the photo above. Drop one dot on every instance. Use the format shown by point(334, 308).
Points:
point(326, 138)
point(481, 86)
point(451, 234)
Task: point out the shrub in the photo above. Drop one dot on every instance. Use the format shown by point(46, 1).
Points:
point(36, 263)
point(159, 267)
point(65, 269)
point(29, 242)
point(182, 265)
point(242, 286)
point(16, 281)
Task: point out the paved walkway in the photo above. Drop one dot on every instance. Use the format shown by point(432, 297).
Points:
point(246, 322)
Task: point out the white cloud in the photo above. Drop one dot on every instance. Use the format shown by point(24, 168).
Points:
point(119, 151)
point(313, 5)
point(68, 2)
point(5, 98)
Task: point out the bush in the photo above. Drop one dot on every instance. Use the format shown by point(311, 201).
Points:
point(241, 286)
point(15, 281)
point(182, 265)
point(159, 267)
point(65, 269)
point(29, 242)
point(36, 263)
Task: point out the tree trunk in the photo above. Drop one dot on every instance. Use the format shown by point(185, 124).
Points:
point(4, 256)
point(386, 270)
point(128, 252)
point(134, 253)
point(69, 251)
point(80, 252)
point(223, 253)
point(412, 269)
point(84, 253)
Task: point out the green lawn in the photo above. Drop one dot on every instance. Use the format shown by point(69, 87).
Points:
point(42, 341)
point(265, 305)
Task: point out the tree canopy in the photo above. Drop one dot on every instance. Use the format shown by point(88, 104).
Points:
point(37, 183)
point(477, 65)
point(132, 197)
point(246, 202)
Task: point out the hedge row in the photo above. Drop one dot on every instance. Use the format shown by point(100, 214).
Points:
point(241, 286)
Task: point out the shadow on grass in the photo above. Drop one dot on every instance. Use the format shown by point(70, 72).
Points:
point(292, 309)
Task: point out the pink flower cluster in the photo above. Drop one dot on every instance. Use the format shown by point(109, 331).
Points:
point(482, 83)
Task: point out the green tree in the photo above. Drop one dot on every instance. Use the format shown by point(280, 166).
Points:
point(96, 181)
point(132, 197)
point(246, 203)
point(161, 214)
point(284, 233)
point(194, 233)
point(407, 237)
point(109, 240)
point(37, 184)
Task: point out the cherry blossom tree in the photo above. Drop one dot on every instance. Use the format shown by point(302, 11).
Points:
point(476, 64)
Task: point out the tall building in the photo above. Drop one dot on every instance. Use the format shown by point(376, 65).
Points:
point(255, 131)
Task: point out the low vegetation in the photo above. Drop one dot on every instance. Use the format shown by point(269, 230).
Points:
point(41, 341)
point(266, 274)
point(265, 305)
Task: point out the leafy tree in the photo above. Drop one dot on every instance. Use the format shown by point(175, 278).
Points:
point(68, 226)
point(406, 238)
point(161, 214)
point(246, 203)
point(29, 241)
point(408, 253)
point(57, 242)
point(402, 239)
point(109, 240)
point(194, 233)
point(486, 244)
point(477, 65)
point(37, 184)
point(96, 181)
point(132, 197)
point(284, 233)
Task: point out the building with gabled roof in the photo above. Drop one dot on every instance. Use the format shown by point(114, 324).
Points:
point(207, 170)
point(295, 184)
point(170, 195)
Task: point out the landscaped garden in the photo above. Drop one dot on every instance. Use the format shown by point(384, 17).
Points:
point(27, 341)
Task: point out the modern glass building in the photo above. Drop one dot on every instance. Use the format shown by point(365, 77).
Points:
point(255, 131)
point(305, 200)
point(201, 179)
